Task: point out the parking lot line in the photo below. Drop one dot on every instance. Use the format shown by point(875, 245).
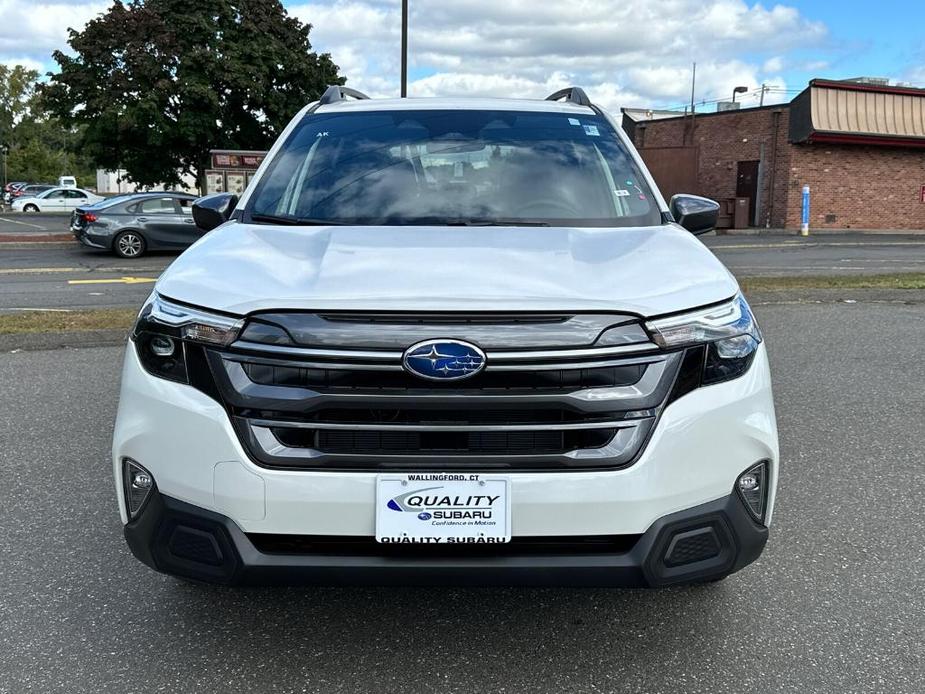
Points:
point(25, 224)
point(120, 280)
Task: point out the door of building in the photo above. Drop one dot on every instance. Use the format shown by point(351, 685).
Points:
point(747, 186)
point(673, 168)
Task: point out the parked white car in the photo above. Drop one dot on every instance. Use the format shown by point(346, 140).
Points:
point(56, 200)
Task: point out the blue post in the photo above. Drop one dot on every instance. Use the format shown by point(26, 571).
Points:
point(804, 229)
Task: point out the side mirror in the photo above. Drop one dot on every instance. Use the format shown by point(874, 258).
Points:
point(696, 214)
point(213, 210)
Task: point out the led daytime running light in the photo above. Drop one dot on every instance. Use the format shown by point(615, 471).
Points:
point(194, 324)
point(731, 319)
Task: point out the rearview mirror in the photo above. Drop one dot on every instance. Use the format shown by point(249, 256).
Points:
point(696, 214)
point(214, 210)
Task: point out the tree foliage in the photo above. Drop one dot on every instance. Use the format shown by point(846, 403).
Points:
point(156, 84)
point(17, 86)
point(38, 148)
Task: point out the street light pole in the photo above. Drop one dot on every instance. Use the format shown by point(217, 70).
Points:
point(404, 48)
point(738, 90)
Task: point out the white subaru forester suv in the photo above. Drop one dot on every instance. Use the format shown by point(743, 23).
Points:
point(448, 340)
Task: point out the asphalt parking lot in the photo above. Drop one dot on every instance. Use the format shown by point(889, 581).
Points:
point(834, 605)
point(34, 224)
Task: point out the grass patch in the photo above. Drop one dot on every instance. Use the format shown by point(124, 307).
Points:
point(67, 321)
point(902, 280)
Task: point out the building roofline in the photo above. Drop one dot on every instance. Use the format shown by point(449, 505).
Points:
point(862, 87)
point(243, 152)
point(710, 114)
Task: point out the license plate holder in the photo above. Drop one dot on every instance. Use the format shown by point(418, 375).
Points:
point(443, 508)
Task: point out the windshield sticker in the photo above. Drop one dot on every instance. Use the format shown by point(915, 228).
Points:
point(592, 131)
point(574, 121)
point(621, 192)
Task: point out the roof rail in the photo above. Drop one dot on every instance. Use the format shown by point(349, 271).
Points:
point(574, 95)
point(336, 93)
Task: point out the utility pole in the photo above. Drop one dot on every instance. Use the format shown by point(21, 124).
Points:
point(693, 85)
point(404, 48)
point(693, 106)
point(764, 88)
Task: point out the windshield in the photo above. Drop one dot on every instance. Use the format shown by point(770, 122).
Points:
point(454, 167)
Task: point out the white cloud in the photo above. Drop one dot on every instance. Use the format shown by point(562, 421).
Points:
point(28, 63)
point(624, 54)
point(773, 64)
point(30, 31)
point(915, 75)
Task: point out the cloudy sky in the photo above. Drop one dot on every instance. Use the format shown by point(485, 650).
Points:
point(624, 53)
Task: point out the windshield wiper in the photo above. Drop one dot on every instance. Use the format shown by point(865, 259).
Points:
point(294, 221)
point(496, 223)
point(435, 221)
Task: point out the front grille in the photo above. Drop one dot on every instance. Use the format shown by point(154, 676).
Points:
point(431, 417)
point(413, 443)
point(341, 545)
point(376, 381)
point(445, 319)
point(568, 406)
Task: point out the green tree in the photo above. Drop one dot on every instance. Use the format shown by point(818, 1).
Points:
point(17, 88)
point(156, 84)
point(38, 148)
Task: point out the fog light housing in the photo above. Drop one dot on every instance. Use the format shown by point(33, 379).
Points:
point(138, 484)
point(752, 487)
point(162, 346)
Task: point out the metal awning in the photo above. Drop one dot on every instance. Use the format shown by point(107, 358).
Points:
point(857, 113)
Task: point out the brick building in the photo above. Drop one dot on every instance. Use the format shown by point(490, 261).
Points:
point(860, 148)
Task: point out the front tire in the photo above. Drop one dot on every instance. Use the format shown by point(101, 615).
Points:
point(129, 244)
point(30, 208)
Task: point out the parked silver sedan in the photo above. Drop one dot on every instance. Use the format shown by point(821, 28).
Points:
point(130, 225)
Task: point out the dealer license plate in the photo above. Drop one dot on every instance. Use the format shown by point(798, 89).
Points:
point(443, 508)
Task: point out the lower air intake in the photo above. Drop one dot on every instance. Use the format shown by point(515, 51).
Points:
point(195, 545)
point(692, 546)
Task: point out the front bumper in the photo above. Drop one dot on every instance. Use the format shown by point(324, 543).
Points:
point(703, 543)
point(205, 478)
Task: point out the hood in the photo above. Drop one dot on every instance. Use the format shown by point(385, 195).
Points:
point(240, 268)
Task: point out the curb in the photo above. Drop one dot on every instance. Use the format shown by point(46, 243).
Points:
point(35, 238)
point(37, 244)
point(758, 231)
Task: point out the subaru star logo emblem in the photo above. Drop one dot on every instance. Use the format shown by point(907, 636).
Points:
point(444, 360)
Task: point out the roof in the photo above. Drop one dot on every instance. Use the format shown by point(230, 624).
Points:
point(648, 114)
point(704, 114)
point(243, 152)
point(455, 104)
point(858, 113)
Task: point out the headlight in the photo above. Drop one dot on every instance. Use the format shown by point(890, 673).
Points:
point(164, 329)
point(729, 331)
